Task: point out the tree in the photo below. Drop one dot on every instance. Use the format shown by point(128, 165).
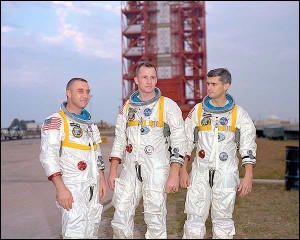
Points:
point(14, 123)
point(23, 125)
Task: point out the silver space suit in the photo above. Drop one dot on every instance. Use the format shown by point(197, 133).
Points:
point(151, 134)
point(70, 146)
point(217, 133)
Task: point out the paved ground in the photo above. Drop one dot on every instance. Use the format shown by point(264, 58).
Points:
point(28, 210)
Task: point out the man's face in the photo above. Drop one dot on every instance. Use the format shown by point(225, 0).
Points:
point(146, 79)
point(79, 94)
point(215, 88)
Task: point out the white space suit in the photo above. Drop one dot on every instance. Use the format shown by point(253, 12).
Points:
point(142, 134)
point(215, 176)
point(70, 146)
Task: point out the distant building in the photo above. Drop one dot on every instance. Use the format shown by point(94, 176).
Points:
point(103, 125)
point(275, 128)
point(33, 125)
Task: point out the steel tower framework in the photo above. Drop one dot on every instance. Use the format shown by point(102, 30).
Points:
point(172, 35)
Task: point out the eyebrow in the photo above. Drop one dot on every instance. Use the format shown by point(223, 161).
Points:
point(82, 89)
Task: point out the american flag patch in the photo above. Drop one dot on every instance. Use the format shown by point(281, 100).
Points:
point(191, 112)
point(52, 123)
point(122, 109)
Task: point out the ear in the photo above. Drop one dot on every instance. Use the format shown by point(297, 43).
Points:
point(226, 86)
point(68, 93)
point(136, 80)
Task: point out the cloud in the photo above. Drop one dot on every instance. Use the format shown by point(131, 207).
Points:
point(108, 6)
point(31, 76)
point(5, 29)
point(70, 7)
point(63, 3)
point(87, 43)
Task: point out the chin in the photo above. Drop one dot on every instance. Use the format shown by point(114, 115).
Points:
point(83, 105)
point(149, 89)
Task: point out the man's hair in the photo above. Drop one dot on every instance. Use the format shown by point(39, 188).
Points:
point(223, 73)
point(145, 64)
point(69, 84)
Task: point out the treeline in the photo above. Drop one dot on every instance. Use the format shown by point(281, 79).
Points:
point(21, 124)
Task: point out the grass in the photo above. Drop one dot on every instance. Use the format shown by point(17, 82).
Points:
point(269, 212)
point(270, 158)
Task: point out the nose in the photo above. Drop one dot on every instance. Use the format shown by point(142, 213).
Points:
point(86, 95)
point(148, 80)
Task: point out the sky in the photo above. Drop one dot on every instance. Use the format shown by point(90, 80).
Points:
point(46, 43)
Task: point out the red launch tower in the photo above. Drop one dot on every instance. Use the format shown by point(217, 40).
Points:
point(172, 35)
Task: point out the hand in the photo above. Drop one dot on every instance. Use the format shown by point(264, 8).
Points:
point(64, 198)
point(113, 174)
point(102, 186)
point(111, 180)
point(184, 178)
point(245, 186)
point(172, 183)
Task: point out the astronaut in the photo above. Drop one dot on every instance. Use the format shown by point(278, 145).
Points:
point(72, 159)
point(150, 133)
point(218, 128)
